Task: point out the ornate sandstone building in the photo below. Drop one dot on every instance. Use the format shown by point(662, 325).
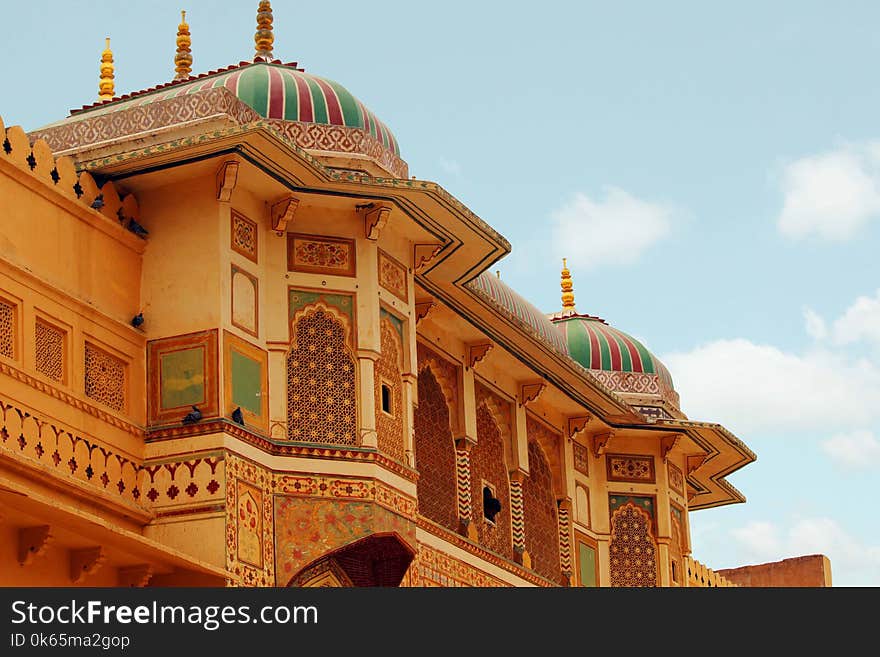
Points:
point(239, 345)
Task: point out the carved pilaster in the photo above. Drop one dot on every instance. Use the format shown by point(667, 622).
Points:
point(423, 254)
point(564, 517)
point(32, 543)
point(600, 442)
point(135, 576)
point(463, 484)
point(227, 176)
point(668, 443)
point(85, 562)
point(282, 213)
point(476, 351)
point(577, 425)
point(375, 217)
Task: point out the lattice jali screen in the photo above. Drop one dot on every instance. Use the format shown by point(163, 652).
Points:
point(49, 351)
point(7, 329)
point(321, 400)
point(435, 454)
point(388, 372)
point(104, 377)
point(539, 506)
point(633, 549)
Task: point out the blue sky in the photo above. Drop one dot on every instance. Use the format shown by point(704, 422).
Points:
point(712, 173)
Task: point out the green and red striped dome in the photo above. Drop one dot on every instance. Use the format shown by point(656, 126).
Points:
point(274, 91)
point(598, 346)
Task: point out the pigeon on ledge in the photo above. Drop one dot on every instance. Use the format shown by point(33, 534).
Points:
point(193, 416)
point(237, 417)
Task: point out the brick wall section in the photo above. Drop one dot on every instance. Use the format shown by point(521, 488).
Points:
point(435, 454)
point(809, 571)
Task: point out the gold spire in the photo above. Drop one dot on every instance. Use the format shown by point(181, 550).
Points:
point(567, 289)
point(106, 89)
point(183, 59)
point(264, 37)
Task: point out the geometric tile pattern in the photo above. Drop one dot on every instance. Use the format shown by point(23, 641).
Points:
point(7, 330)
point(49, 351)
point(389, 426)
point(676, 478)
point(104, 378)
point(321, 402)
point(435, 454)
point(392, 276)
point(488, 469)
point(581, 458)
point(540, 513)
point(565, 540)
point(625, 467)
point(633, 549)
point(244, 236)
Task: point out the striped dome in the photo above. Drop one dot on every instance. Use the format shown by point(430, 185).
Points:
point(503, 297)
point(598, 346)
point(274, 91)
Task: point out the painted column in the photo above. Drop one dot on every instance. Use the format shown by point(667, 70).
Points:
point(369, 340)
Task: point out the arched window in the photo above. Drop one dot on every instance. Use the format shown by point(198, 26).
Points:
point(321, 400)
point(539, 512)
point(435, 454)
point(488, 470)
point(633, 548)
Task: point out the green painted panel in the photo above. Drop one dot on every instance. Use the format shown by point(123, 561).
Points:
point(395, 322)
point(616, 501)
point(247, 382)
point(182, 378)
point(587, 565)
point(578, 342)
point(302, 298)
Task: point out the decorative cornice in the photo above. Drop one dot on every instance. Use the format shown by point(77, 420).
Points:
point(424, 305)
point(227, 176)
point(529, 391)
point(375, 217)
point(481, 552)
point(275, 448)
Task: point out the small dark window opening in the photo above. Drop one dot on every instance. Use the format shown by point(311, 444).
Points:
point(491, 504)
point(674, 572)
point(386, 399)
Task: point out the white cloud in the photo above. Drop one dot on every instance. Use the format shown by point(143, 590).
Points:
point(831, 195)
point(857, 450)
point(861, 321)
point(815, 325)
point(615, 230)
point(753, 387)
point(852, 562)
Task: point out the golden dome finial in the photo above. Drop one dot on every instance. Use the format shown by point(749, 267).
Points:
point(183, 59)
point(567, 289)
point(106, 89)
point(264, 38)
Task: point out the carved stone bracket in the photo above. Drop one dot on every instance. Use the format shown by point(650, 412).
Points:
point(32, 543)
point(530, 391)
point(424, 254)
point(85, 562)
point(424, 305)
point(135, 576)
point(668, 443)
point(576, 425)
point(600, 443)
point(282, 213)
point(694, 461)
point(227, 175)
point(375, 217)
point(476, 351)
